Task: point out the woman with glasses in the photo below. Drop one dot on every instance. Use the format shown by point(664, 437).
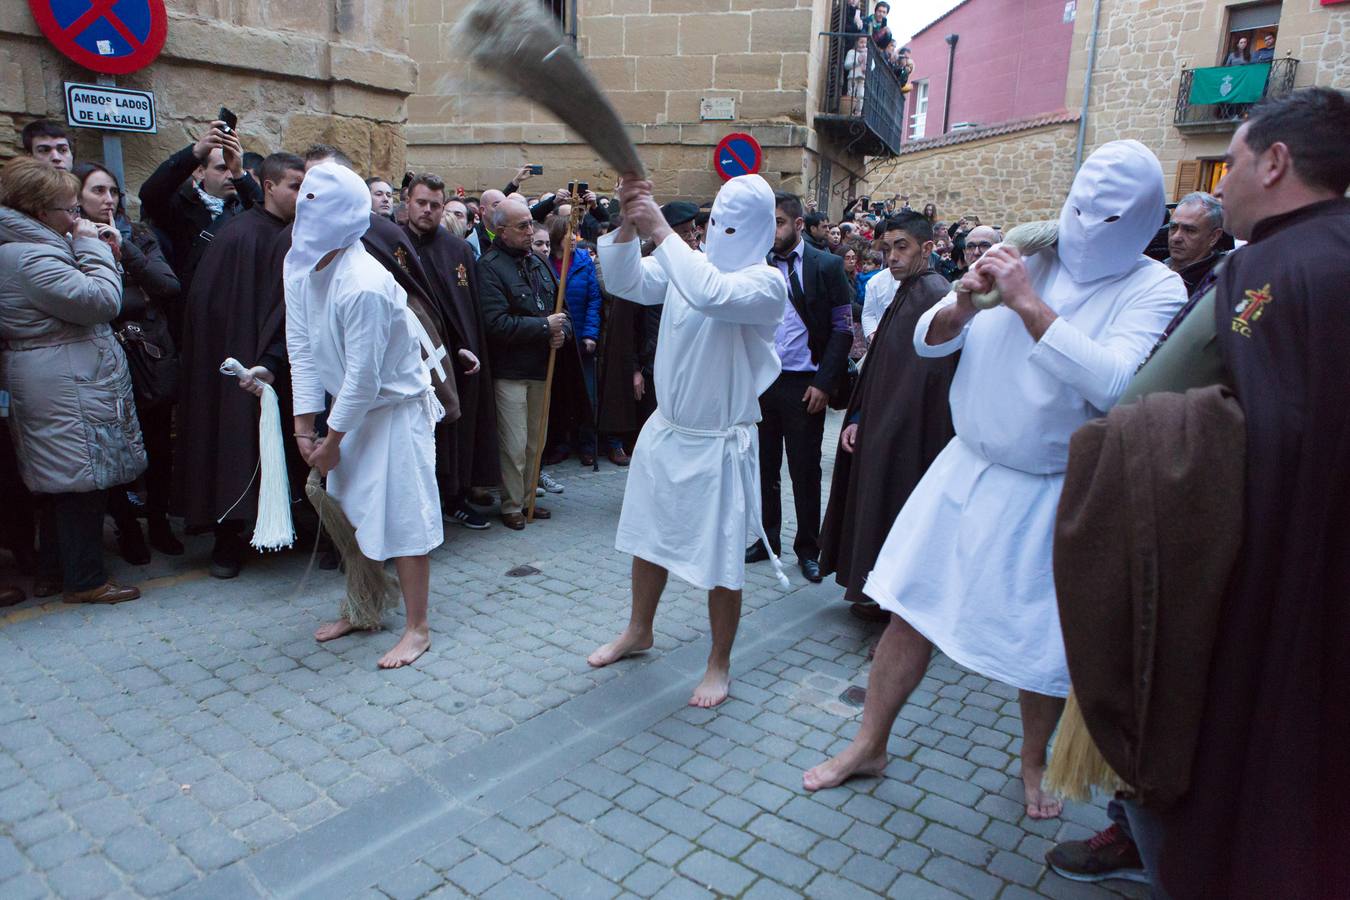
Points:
point(149, 285)
point(72, 415)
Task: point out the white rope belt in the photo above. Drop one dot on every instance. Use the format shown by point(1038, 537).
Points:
point(743, 436)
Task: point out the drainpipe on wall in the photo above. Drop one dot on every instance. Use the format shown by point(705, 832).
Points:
point(572, 21)
point(951, 67)
point(1087, 84)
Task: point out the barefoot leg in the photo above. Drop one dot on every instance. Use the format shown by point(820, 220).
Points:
point(724, 615)
point(1040, 715)
point(901, 658)
point(649, 580)
point(330, 630)
point(414, 577)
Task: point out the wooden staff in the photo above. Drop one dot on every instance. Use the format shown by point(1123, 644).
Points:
point(573, 221)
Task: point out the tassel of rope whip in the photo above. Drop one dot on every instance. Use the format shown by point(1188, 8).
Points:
point(274, 529)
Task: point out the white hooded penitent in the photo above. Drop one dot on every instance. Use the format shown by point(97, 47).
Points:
point(740, 224)
point(693, 488)
point(331, 213)
point(968, 560)
point(1113, 210)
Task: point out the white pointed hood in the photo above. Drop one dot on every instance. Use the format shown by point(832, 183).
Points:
point(331, 213)
point(1113, 210)
point(741, 224)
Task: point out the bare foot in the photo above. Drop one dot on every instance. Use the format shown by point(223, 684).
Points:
point(412, 645)
point(854, 762)
point(625, 644)
point(331, 630)
point(1041, 804)
point(713, 689)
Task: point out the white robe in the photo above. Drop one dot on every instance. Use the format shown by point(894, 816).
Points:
point(350, 334)
point(877, 295)
point(968, 560)
point(693, 486)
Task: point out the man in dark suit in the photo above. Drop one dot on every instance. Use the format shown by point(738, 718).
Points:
point(813, 341)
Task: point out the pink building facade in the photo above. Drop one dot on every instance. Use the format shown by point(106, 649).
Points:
point(1012, 62)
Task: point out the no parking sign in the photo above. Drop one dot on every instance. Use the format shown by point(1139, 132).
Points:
point(737, 154)
point(113, 37)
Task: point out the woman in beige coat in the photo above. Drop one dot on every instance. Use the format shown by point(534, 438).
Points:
point(72, 416)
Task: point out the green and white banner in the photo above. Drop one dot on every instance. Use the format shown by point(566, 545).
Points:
point(1229, 84)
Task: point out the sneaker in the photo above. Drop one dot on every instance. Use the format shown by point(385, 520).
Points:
point(464, 515)
point(547, 483)
point(1107, 854)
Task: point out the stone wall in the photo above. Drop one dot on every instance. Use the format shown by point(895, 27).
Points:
point(295, 72)
point(1005, 179)
point(656, 59)
point(1143, 45)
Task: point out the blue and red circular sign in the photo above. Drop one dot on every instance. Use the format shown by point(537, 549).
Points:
point(109, 36)
point(737, 154)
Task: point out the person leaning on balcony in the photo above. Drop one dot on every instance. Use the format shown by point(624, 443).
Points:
point(1239, 55)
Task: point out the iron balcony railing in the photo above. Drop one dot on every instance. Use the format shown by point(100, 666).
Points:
point(880, 112)
point(1222, 116)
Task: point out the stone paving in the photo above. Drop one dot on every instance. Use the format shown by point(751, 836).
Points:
point(198, 742)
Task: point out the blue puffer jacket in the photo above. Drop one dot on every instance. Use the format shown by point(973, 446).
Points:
point(583, 295)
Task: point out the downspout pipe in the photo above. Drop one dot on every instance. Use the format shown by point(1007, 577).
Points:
point(951, 67)
point(1087, 84)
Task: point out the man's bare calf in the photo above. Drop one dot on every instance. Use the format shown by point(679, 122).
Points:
point(901, 658)
point(724, 614)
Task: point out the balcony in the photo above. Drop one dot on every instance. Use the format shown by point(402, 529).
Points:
point(1200, 117)
point(869, 126)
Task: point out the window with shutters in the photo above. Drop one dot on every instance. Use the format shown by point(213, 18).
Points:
point(1188, 178)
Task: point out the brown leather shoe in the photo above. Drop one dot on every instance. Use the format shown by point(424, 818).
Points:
point(105, 593)
point(10, 596)
point(541, 513)
point(514, 521)
point(618, 457)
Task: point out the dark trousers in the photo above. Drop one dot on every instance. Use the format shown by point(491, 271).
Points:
point(785, 422)
point(71, 537)
point(157, 432)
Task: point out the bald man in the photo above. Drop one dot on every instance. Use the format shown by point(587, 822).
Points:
point(491, 199)
point(980, 241)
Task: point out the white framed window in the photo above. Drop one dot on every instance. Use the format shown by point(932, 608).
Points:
point(919, 118)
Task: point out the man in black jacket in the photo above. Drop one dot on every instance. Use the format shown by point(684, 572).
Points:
point(516, 290)
point(813, 341)
point(195, 192)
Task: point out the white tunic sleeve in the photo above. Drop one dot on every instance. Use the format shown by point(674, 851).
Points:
point(1100, 370)
point(307, 394)
point(877, 296)
point(365, 326)
point(921, 345)
point(755, 296)
point(628, 275)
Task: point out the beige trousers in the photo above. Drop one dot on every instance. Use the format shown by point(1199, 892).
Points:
point(519, 405)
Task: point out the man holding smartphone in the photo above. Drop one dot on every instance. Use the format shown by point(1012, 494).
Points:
point(195, 192)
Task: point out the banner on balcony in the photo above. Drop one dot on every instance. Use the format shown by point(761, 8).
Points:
point(1229, 84)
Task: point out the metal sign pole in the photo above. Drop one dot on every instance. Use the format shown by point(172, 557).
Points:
point(112, 142)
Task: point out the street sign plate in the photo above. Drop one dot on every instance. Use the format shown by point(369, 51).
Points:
point(110, 108)
point(113, 37)
point(737, 154)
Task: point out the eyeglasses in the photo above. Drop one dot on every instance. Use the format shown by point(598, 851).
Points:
point(69, 210)
point(982, 246)
point(527, 225)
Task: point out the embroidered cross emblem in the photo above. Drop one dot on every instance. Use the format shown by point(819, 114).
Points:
point(1250, 309)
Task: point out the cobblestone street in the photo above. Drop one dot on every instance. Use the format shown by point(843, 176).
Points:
point(199, 743)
